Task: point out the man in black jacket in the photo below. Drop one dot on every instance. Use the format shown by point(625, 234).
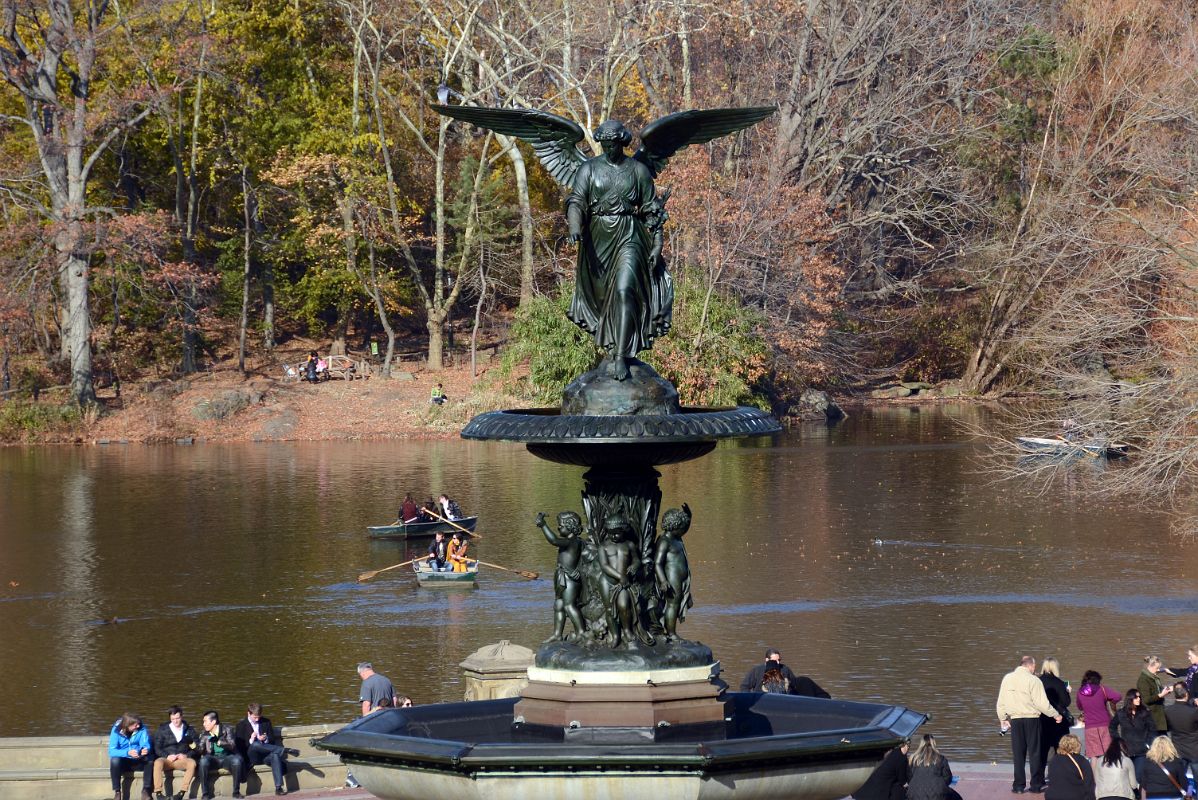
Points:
point(174, 748)
point(1183, 724)
point(796, 684)
point(255, 738)
point(218, 750)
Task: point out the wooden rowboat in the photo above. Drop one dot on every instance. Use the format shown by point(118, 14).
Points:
point(415, 529)
point(434, 578)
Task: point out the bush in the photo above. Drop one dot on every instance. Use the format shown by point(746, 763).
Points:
point(730, 367)
point(26, 421)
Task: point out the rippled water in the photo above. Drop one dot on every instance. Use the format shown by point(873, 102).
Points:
point(874, 554)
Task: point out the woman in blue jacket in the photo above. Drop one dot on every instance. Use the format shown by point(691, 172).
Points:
point(129, 749)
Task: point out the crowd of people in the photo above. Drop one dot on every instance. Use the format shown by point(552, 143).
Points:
point(176, 746)
point(1139, 743)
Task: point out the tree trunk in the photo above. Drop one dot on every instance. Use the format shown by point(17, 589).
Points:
point(73, 274)
point(527, 282)
point(246, 269)
point(436, 334)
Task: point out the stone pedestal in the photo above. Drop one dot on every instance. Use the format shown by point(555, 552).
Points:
point(632, 699)
point(496, 671)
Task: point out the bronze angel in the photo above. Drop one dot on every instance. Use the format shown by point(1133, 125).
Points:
point(623, 294)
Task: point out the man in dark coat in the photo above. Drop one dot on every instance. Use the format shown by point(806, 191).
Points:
point(255, 739)
point(1182, 717)
point(796, 684)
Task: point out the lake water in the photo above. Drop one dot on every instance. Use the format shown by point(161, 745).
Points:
point(876, 555)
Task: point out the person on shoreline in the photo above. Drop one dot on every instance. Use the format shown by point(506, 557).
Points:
point(1021, 701)
point(1133, 723)
point(930, 777)
point(174, 746)
point(218, 750)
point(438, 553)
point(796, 684)
point(375, 694)
point(1070, 777)
point(1153, 692)
point(456, 552)
point(1115, 773)
point(889, 779)
point(1095, 702)
point(1164, 773)
point(1057, 692)
point(255, 740)
point(438, 396)
point(1188, 672)
point(1182, 717)
point(129, 751)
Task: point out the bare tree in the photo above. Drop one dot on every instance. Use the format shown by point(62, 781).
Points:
point(51, 56)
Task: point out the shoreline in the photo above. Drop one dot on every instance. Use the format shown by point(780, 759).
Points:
point(226, 407)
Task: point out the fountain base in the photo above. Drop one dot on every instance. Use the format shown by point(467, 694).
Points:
point(638, 701)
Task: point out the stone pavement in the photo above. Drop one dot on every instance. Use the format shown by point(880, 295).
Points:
point(975, 782)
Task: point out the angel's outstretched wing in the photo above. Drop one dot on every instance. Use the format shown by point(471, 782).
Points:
point(554, 139)
point(664, 137)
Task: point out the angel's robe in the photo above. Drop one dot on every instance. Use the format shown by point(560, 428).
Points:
point(620, 298)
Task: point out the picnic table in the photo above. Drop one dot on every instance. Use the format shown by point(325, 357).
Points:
point(342, 367)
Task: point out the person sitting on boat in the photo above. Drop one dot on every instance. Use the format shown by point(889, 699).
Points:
point(438, 553)
point(427, 509)
point(457, 552)
point(408, 512)
point(448, 508)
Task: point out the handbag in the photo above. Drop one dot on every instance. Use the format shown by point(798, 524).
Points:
point(1180, 791)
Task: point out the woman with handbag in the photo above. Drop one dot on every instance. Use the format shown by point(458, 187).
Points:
point(1057, 692)
point(1165, 772)
point(1095, 702)
point(1069, 775)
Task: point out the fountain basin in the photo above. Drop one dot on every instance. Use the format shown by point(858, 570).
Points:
point(769, 746)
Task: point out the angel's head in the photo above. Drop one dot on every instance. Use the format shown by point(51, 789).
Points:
point(614, 133)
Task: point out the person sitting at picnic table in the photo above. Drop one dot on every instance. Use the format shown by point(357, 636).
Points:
point(129, 750)
point(310, 367)
point(438, 396)
point(438, 553)
point(457, 552)
point(408, 513)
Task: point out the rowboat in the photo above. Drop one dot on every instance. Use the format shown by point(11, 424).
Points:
point(434, 578)
point(414, 529)
point(1037, 445)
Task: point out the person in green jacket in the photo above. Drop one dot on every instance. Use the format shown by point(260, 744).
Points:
point(1153, 691)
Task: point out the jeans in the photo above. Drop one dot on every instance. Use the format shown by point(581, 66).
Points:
point(231, 762)
point(119, 765)
point(272, 754)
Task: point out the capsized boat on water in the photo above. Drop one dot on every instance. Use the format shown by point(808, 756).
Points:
point(412, 530)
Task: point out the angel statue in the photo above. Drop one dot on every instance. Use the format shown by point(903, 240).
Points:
point(623, 294)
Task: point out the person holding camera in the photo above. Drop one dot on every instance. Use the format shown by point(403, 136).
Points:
point(1021, 701)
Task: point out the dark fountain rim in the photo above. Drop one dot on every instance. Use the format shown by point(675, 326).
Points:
point(550, 426)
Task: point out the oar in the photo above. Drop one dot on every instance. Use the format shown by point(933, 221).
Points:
point(365, 576)
point(454, 524)
point(532, 576)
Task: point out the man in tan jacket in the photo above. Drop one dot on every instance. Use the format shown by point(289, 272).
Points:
point(1021, 701)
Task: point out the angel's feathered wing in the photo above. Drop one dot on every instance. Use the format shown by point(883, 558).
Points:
point(664, 137)
point(554, 139)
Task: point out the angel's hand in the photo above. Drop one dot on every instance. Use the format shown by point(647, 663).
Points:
point(575, 237)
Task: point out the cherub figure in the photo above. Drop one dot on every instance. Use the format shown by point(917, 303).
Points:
point(673, 571)
point(618, 564)
point(567, 578)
